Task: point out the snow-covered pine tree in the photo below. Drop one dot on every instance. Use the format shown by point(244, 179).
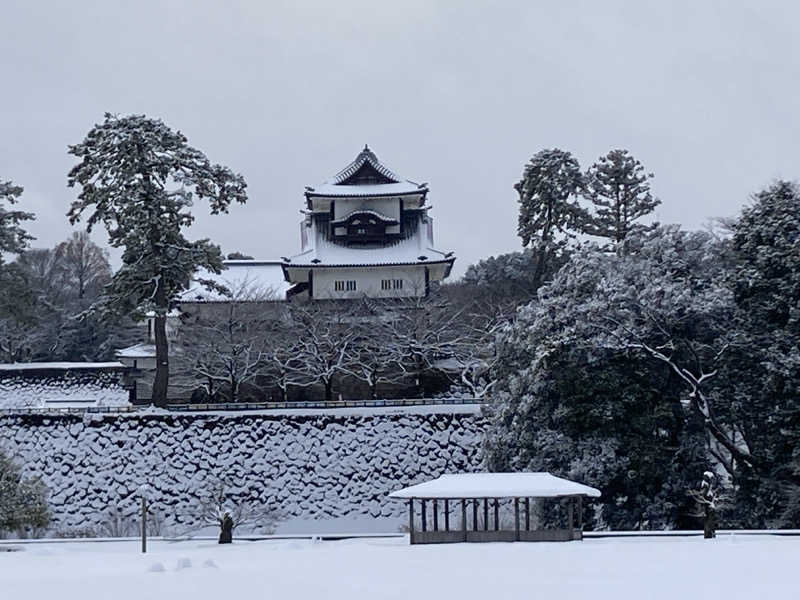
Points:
point(17, 297)
point(619, 188)
point(550, 213)
point(139, 178)
point(13, 238)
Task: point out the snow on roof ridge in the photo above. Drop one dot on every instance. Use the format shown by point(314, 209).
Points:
point(366, 155)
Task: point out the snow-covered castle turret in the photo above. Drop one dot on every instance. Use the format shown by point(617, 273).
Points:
point(366, 232)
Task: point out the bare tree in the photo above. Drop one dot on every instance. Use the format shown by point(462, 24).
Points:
point(222, 344)
point(84, 265)
point(325, 346)
point(433, 333)
point(222, 510)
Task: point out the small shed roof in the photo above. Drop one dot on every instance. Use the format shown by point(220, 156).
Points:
point(497, 485)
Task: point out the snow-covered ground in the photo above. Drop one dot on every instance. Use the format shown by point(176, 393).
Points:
point(728, 568)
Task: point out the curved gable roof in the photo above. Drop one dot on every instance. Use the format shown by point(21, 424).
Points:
point(366, 176)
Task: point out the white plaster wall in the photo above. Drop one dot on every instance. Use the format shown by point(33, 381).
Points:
point(368, 282)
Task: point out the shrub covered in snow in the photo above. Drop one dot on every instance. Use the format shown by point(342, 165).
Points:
point(23, 500)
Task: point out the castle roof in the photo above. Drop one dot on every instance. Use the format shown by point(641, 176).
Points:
point(409, 251)
point(366, 176)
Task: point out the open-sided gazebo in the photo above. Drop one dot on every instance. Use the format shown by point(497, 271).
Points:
point(477, 491)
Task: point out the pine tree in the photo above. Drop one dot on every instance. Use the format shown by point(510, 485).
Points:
point(17, 298)
point(550, 213)
point(139, 178)
point(13, 238)
point(619, 188)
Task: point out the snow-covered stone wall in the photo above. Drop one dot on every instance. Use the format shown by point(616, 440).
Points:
point(321, 472)
point(63, 387)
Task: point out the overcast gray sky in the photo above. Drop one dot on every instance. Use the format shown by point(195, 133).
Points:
point(458, 94)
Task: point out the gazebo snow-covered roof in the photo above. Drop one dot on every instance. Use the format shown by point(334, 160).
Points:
point(474, 489)
point(497, 485)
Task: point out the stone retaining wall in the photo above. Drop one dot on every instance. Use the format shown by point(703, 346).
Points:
point(302, 467)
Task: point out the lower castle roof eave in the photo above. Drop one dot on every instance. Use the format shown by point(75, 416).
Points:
point(447, 262)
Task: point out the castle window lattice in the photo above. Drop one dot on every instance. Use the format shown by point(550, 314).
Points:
point(348, 285)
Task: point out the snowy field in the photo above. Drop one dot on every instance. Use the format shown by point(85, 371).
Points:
point(729, 567)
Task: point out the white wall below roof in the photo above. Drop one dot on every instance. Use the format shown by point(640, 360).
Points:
point(368, 282)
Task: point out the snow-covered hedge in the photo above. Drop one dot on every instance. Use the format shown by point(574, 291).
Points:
point(307, 467)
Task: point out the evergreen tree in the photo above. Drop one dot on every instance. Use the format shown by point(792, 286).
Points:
point(550, 213)
point(766, 286)
point(619, 188)
point(13, 238)
point(509, 277)
point(609, 378)
point(18, 338)
point(139, 179)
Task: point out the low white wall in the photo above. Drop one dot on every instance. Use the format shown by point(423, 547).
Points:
point(368, 282)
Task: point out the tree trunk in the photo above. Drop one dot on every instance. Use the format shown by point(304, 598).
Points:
point(161, 381)
point(226, 530)
point(709, 523)
point(328, 390)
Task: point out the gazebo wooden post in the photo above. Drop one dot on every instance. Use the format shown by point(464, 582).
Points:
point(580, 513)
point(411, 519)
point(464, 519)
point(474, 514)
point(424, 516)
point(446, 514)
point(486, 514)
point(496, 514)
point(569, 517)
point(527, 514)
point(435, 514)
point(516, 519)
